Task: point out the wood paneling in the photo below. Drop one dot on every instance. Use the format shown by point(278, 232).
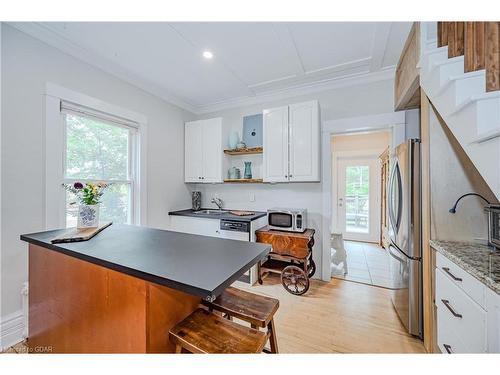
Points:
point(442, 34)
point(80, 307)
point(427, 269)
point(165, 308)
point(492, 56)
point(474, 49)
point(407, 80)
point(456, 33)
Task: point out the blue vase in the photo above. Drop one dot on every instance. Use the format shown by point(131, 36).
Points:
point(248, 170)
point(234, 138)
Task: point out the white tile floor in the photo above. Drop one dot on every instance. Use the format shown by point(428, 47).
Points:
point(366, 263)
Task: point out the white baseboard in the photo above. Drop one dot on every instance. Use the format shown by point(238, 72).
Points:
point(12, 329)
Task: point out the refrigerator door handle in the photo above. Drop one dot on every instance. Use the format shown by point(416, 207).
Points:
point(400, 251)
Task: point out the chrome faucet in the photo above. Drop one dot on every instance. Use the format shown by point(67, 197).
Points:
point(218, 202)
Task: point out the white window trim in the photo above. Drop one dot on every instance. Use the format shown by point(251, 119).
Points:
point(55, 146)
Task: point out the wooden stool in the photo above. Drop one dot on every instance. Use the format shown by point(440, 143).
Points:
point(205, 332)
point(254, 309)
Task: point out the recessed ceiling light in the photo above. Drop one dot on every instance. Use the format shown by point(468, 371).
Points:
point(208, 54)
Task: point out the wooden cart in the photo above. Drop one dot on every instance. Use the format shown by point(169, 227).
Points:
point(291, 257)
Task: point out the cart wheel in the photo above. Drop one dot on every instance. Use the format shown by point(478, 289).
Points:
point(312, 269)
point(294, 280)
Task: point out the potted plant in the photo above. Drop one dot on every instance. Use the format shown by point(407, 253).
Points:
point(89, 195)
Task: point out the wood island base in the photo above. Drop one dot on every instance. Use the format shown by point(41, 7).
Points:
point(79, 307)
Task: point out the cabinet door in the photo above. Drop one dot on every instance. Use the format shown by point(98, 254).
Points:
point(193, 158)
point(304, 142)
point(195, 225)
point(275, 139)
point(212, 150)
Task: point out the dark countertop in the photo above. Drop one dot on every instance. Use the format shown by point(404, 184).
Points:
point(225, 215)
point(479, 260)
point(198, 265)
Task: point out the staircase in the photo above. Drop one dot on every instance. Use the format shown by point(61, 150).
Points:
point(461, 77)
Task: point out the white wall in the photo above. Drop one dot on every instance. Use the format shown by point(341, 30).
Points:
point(28, 65)
point(453, 174)
point(344, 102)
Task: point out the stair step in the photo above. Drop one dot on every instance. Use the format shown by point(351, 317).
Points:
point(434, 55)
point(458, 90)
point(487, 136)
point(442, 70)
point(475, 98)
point(465, 76)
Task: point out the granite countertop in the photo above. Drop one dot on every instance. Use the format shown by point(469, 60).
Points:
point(198, 265)
point(226, 215)
point(479, 260)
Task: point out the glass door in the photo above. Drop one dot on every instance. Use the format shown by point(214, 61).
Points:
point(358, 188)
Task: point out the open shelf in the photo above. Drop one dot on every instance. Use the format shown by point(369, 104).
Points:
point(243, 180)
point(244, 151)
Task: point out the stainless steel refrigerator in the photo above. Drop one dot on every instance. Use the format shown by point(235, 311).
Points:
point(405, 247)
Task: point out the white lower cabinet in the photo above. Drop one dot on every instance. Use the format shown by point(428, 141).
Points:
point(195, 225)
point(467, 311)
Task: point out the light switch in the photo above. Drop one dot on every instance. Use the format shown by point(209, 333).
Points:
point(252, 197)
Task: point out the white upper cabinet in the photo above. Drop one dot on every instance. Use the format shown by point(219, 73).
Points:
point(203, 151)
point(275, 143)
point(291, 143)
point(193, 152)
point(304, 141)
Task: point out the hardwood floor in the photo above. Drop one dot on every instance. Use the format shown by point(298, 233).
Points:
point(335, 317)
point(338, 317)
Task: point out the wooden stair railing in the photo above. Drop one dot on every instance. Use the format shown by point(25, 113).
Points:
point(478, 42)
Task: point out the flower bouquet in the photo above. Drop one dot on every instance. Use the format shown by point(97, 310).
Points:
point(89, 195)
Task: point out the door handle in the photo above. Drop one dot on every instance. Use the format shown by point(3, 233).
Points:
point(448, 348)
point(341, 202)
point(447, 270)
point(448, 306)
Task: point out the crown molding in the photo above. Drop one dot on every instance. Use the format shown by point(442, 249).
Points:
point(318, 86)
point(56, 40)
point(357, 73)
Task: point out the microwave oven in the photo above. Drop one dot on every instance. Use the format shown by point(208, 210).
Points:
point(287, 219)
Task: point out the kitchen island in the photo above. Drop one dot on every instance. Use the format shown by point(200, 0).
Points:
point(121, 291)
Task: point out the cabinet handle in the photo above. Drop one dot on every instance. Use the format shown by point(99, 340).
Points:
point(447, 304)
point(447, 270)
point(290, 175)
point(447, 348)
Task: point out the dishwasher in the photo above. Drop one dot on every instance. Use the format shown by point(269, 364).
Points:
point(237, 230)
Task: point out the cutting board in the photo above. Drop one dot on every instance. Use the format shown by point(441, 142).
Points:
point(80, 234)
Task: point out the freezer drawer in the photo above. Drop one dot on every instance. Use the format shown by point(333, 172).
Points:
point(406, 289)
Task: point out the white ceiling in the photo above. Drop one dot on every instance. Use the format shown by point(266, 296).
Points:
point(252, 61)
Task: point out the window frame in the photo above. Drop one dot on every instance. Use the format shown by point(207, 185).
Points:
point(132, 163)
point(55, 151)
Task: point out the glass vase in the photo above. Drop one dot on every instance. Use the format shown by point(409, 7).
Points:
point(88, 216)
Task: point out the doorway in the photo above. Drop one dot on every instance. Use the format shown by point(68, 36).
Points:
point(358, 196)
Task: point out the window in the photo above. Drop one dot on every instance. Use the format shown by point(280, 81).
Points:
point(98, 147)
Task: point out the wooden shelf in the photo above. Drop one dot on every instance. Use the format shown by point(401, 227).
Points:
point(244, 151)
point(244, 180)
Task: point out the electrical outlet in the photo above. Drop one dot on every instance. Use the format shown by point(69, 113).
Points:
point(252, 197)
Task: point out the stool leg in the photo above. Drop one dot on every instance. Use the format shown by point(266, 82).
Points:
point(273, 341)
point(178, 349)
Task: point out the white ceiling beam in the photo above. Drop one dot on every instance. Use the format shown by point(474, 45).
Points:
point(380, 38)
point(219, 59)
point(288, 43)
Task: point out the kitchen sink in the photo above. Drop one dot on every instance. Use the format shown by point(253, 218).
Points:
point(209, 212)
